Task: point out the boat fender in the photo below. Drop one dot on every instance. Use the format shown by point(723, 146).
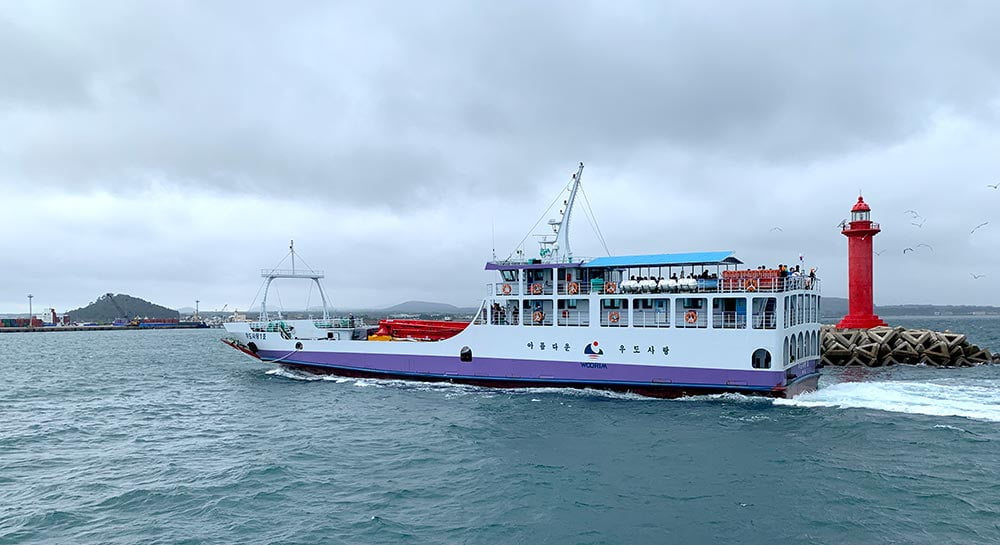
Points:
point(574, 288)
point(691, 316)
point(538, 316)
point(614, 316)
point(253, 347)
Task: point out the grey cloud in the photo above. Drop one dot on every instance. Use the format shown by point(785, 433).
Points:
point(403, 103)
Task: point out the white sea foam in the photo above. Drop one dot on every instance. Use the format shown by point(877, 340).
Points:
point(978, 400)
point(301, 375)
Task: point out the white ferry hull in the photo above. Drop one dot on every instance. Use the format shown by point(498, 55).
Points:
point(659, 366)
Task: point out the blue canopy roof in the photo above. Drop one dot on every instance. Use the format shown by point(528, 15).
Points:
point(656, 260)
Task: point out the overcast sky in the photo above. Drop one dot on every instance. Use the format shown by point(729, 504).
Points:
point(170, 150)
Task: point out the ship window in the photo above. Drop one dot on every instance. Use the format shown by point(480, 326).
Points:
point(764, 312)
point(689, 312)
point(729, 313)
point(614, 303)
point(761, 359)
point(509, 276)
point(568, 303)
point(651, 313)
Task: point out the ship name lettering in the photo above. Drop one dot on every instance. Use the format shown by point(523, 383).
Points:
point(257, 336)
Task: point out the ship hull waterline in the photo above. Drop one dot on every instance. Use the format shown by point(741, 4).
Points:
point(805, 374)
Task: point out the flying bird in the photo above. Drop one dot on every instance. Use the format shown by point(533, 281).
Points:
point(977, 227)
point(907, 249)
point(913, 212)
point(776, 229)
point(842, 224)
point(921, 224)
point(994, 186)
point(879, 252)
point(977, 276)
point(928, 246)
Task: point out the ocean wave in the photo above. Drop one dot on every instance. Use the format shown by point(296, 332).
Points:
point(980, 401)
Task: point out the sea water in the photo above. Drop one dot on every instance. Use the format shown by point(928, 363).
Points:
point(126, 437)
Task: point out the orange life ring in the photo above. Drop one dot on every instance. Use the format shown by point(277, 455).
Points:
point(613, 316)
point(691, 316)
point(538, 316)
point(573, 288)
point(750, 284)
point(536, 289)
point(506, 289)
point(611, 287)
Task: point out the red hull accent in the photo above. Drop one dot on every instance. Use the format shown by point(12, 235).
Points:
point(425, 330)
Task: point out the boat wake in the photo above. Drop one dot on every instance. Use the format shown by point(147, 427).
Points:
point(979, 401)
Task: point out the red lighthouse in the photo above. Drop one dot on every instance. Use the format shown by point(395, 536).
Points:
point(859, 233)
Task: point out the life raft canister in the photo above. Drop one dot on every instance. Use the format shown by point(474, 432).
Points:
point(691, 316)
point(573, 288)
point(610, 287)
point(613, 316)
point(538, 316)
point(536, 289)
point(506, 289)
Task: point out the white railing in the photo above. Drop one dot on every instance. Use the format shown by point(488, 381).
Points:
point(569, 317)
point(650, 318)
point(729, 320)
point(765, 320)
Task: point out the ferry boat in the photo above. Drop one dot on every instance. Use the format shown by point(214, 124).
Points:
point(663, 325)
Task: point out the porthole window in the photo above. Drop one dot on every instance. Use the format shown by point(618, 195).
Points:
point(761, 359)
point(298, 346)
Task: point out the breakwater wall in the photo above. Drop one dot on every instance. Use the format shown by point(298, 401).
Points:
point(92, 328)
point(884, 346)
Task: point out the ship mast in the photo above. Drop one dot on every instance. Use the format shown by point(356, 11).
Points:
point(309, 274)
point(557, 249)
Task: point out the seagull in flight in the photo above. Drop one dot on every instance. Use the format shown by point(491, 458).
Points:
point(994, 186)
point(977, 276)
point(921, 224)
point(907, 249)
point(879, 252)
point(928, 246)
point(842, 224)
point(776, 229)
point(977, 227)
point(912, 212)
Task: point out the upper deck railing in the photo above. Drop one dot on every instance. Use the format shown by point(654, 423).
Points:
point(712, 285)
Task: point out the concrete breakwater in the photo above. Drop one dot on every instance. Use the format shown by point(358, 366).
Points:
point(883, 346)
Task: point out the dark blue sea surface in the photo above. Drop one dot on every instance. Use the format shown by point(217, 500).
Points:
point(127, 437)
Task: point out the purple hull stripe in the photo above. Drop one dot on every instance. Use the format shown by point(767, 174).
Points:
point(515, 370)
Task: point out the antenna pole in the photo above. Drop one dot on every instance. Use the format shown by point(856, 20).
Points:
point(291, 248)
point(562, 235)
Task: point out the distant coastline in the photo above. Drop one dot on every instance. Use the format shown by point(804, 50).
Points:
point(837, 307)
